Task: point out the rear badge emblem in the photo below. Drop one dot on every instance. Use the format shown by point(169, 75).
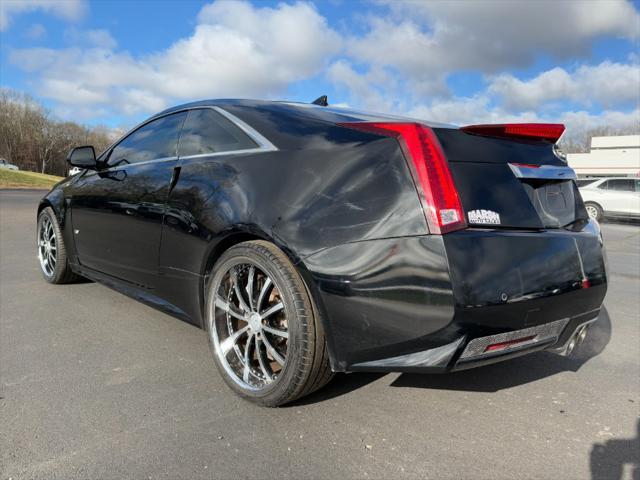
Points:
point(484, 216)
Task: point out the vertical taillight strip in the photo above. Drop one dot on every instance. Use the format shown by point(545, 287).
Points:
point(440, 198)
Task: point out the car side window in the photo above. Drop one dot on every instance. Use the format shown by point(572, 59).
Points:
point(621, 185)
point(604, 185)
point(154, 140)
point(583, 182)
point(637, 183)
point(207, 131)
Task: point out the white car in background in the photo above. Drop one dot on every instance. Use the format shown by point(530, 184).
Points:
point(74, 171)
point(612, 197)
point(7, 165)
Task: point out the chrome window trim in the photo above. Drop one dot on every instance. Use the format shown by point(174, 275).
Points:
point(547, 172)
point(220, 154)
point(262, 142)
point(146, 162)
point(264, 145)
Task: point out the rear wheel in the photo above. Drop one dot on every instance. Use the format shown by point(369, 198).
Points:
point(594, 210)
point(264, 332)
point(52, 253)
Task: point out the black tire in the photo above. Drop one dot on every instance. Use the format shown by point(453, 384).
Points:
point(306, 366)
point(594, 210)
point(58, 271)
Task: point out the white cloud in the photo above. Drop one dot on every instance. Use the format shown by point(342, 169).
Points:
point(236, 49)
point(419, 44)
point(35, 32)
point(423, 38)
point(400, 63)
point(66, 9)
point(607, 84)
point(99, 38)
point(365, 88)
point(582, 121)
point(480, 109)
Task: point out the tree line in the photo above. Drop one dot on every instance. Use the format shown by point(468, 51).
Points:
point(578, 140)
point(32, 139)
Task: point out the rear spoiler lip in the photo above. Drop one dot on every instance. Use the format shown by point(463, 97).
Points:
point(541, 132)
point(546, 172)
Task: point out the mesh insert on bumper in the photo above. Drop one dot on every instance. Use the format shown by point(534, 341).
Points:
point(544, 333)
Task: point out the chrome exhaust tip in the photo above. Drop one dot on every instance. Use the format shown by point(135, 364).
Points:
point(582, 334)
point(577, 338)
point(571, 345)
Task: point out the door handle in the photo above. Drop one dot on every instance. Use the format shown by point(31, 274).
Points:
point(174, 178)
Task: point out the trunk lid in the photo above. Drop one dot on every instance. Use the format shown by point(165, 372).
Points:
point(511, 182)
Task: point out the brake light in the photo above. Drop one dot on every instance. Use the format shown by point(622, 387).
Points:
point(439, 196)
point(542, 131)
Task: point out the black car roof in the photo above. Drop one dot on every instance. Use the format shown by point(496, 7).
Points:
point(329, 113)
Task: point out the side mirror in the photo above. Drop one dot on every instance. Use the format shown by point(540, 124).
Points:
point(83, 157)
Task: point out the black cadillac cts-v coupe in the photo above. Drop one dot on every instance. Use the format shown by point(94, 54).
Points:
point(308, 240)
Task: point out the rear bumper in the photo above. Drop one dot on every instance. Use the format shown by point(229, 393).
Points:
point(552, 336)
point(463, 354)
point(418, 303)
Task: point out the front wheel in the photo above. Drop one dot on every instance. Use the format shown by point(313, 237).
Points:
point(52, 253)
point(594, 210)
point(265, 335)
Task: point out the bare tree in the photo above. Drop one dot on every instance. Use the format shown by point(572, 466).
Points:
point(33, 140)
point(579, 140)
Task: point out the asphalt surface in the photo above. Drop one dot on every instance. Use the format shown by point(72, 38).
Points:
point(95, 385)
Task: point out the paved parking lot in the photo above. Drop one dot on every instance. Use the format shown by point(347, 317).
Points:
point(95, 385)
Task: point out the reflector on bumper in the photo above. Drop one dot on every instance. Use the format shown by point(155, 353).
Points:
point(516, 340)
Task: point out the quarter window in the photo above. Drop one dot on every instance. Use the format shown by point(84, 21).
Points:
point(207, 131)
point(157, 139)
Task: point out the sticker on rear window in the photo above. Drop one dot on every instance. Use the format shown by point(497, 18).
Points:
point(484, 216)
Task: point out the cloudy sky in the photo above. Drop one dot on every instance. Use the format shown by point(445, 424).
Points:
point(454, 61)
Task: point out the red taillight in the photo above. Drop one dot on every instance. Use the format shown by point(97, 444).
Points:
point(440, 197)
point(525, 165)
point(542, 131)
point(510, 343)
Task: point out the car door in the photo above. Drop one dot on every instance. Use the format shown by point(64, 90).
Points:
point(117, 211)
point(619, 196)
point(212, 148)
point(635, 203)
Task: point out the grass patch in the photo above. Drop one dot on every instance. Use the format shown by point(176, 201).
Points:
point(24, 179)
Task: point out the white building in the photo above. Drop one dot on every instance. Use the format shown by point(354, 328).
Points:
point(609, 156)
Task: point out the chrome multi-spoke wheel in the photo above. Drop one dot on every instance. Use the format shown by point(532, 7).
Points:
point(52, 254)
point(263, 328)
point(47, 247)
point(250, 328)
